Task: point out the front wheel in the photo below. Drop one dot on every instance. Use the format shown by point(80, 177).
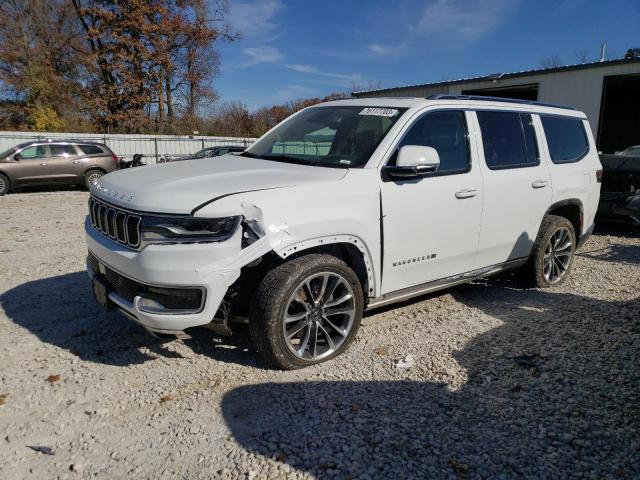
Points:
point(5, 186)
point(552, 255)
point(306, 311)
point(92, 177)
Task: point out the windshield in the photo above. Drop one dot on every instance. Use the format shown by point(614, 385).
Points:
point(202, 153)
point(341, 136)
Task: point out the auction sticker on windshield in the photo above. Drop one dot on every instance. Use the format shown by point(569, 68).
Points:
point(379, 112)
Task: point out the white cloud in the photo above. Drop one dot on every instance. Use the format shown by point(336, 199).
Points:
point(258, 55)
point(254, 18)
point(462, 20)
point(315, 71)
point(445, 23)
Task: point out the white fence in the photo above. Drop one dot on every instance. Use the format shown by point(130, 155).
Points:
point(125, 145)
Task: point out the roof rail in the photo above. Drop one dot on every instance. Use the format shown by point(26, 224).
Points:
point(444, 96)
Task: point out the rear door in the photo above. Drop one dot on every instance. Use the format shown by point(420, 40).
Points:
point(517, 185)
point(431, 224)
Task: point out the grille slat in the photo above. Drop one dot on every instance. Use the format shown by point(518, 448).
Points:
point(114, 223)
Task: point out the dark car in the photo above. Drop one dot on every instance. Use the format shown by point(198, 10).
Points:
point(620, 194)
point(64, 162)
point(211, 152)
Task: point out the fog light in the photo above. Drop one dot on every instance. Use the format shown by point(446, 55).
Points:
point(171, 300)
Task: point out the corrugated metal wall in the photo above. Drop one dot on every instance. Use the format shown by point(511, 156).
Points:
point(123, 145)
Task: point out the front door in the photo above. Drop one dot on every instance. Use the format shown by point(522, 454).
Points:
point(431, 225)
point(517, 186)
point(29, 165)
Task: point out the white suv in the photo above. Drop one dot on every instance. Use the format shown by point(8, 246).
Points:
point(345, 206)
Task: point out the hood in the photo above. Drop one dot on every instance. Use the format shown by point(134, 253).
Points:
point(183, 187)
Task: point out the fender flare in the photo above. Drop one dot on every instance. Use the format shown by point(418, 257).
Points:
point(572, 202)
point(288, 250)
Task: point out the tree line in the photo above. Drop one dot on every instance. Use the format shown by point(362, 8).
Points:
point(108, 65)
point(135, 66)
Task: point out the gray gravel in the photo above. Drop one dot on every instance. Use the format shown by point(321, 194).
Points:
point(504, 382)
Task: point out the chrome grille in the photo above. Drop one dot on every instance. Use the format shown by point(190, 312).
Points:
point(119, 225)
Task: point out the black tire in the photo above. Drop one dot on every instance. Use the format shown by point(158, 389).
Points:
point(90, 175)
point(5, 184)
point(533, 272)
point(270, 302)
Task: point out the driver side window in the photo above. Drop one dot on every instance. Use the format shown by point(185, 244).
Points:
point(446, 132)
point(37, 151)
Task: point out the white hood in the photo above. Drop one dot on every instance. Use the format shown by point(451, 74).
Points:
point(182, 187)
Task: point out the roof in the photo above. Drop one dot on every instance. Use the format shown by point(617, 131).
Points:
point(500, 76)
point(457, 100)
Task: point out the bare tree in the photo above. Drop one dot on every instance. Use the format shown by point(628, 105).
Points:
point(583, 56)
point(551, 61)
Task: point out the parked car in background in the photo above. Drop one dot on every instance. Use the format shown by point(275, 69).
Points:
point(60, 162)
point(209, 152)
point(620, 196)
point(345, 206)
point(630, 152)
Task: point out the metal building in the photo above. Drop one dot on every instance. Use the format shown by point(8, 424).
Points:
point(608, 92)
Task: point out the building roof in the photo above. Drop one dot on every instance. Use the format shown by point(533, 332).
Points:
point(500, 76)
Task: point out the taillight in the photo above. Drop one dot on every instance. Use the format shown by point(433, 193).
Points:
point(599, 176)
point(115, 159)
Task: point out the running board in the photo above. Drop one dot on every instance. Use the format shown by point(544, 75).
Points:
point(424, 288)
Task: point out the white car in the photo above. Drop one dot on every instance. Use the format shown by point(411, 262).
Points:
point(345, 206)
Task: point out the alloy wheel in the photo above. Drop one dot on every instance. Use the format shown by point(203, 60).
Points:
point(319, 316)
point(3, 184)
point(93, 178)
point(557, 255)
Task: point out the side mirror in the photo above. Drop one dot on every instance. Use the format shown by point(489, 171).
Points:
point(414, 161)
point(17, 156)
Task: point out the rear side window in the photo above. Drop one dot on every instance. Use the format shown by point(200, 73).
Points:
point(566, 138)
point(509, 140)
point(62, 150)
point(446, 131)
point(91, 149)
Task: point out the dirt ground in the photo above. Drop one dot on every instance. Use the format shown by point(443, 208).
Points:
point(505, 382)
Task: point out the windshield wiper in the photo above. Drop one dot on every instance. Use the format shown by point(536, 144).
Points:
point(248, 154)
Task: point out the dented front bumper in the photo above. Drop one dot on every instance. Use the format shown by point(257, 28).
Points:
point(208, 267)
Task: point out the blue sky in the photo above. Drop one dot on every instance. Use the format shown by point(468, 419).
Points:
point(299, 48)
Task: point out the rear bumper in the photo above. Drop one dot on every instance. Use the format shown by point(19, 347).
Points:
point(164, 266)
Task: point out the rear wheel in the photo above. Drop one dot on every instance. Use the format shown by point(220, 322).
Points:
point(5, 186)
point(92, 177)
point(552, 255)
point(306, 311)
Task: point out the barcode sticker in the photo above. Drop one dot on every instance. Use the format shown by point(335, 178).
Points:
point(379, 112)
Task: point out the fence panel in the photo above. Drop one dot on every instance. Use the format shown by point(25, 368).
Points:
point(125, 145)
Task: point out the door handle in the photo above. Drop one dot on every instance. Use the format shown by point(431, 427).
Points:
point(76, 161)
point(539, 184)
point(467, 193)
point(43, 164)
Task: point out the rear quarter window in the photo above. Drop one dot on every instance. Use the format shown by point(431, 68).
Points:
point(566, 138)
point(91, 149)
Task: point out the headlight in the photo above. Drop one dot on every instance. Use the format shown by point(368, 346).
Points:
point(187, 229)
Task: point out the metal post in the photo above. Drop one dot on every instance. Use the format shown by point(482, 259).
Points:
point(155, 147)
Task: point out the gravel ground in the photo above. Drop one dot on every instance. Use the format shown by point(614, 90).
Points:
point(505, 382)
